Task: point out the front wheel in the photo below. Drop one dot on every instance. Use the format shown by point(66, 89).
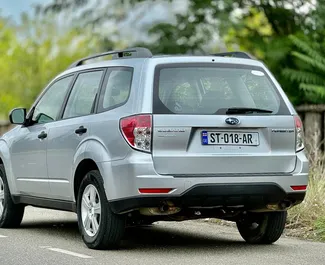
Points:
point(11, 214)
point(262, 228)
point(99, 226)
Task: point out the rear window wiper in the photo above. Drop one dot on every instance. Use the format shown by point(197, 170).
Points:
point(247, 110)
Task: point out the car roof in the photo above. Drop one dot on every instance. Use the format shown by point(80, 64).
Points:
point(162, 59)
point(133, 57)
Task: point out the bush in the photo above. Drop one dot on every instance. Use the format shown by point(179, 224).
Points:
point(307, 220)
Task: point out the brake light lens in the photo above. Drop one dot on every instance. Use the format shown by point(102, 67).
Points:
point(137, 131)
point(299, 134)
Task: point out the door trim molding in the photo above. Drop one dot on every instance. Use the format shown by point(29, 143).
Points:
point(33, 180)
point(45, 203)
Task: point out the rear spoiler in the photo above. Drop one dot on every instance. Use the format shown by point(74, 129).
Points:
point(243, 55)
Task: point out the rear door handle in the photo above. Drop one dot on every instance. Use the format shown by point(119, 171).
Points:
point(81, 130)
point(42, 135)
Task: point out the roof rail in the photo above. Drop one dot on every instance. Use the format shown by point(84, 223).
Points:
point(244, 55)
point(137, 52)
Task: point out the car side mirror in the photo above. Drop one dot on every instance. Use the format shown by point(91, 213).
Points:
point(17, 116)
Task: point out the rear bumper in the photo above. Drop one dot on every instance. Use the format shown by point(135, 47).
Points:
point(124, 178)
point(245, 196)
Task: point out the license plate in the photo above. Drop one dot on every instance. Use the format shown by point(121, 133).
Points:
point(229, 138)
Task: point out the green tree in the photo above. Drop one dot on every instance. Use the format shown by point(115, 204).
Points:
point(310, 69)
point(190, 31)
point(33, 53)
point(260, 27)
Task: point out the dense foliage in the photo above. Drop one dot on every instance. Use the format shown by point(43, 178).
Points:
point(287, 35)
point(32, 54)
point(309, 74)
point(259, 27)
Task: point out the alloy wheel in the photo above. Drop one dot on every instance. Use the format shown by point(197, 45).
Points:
point(91, 210)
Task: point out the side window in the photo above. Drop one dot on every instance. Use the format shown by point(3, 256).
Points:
point(117, 89)
point(49, 106)
point(83, 95)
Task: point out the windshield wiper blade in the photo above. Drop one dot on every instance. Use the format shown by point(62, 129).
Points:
point(247, 110)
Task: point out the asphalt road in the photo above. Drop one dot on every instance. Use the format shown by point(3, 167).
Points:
point(52, 237)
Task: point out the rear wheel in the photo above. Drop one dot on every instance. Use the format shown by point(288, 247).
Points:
point(11, 214)
point(262, 228)
point(99, 226)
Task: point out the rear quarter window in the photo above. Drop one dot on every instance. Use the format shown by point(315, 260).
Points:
point(116, 88)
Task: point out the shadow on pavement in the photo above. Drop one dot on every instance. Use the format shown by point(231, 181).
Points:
point(151, 238)
point(65, 229)
point(178, 241)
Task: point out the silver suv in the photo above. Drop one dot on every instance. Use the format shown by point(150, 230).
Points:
point(142, 138)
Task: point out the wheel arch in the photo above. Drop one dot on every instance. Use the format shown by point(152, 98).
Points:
point(82, 169)
point(90, 156)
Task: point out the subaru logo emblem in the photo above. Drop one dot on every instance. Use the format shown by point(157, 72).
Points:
point(232, 121)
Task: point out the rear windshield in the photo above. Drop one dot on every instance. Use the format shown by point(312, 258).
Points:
point(211, 89)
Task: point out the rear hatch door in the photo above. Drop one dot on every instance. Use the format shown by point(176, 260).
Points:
point(216, 119)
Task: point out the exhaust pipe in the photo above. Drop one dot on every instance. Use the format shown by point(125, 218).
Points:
point(167, 208)
point(283, 205)
point(164, 208)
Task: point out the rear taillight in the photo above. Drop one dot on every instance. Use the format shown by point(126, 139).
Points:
point(137, 131)
point(299, 134)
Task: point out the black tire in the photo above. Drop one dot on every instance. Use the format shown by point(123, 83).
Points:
point(12, 213)
point(262, 228)
point(111, 226)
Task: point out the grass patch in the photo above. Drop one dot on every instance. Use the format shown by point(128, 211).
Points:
point(307, 220)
